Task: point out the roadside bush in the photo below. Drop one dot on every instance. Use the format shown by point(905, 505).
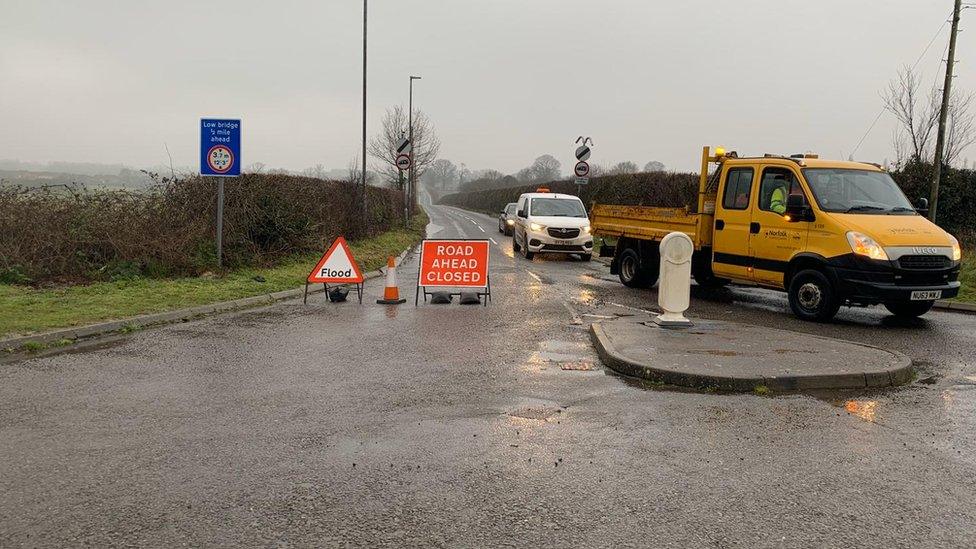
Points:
point(70, 234)
point(957, 196)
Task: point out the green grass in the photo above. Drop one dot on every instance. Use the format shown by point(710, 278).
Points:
point(761, 390)
point(25, 310)
point(967, 275)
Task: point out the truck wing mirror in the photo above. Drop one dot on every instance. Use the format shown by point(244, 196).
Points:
point(922, 206)
point(797, 208)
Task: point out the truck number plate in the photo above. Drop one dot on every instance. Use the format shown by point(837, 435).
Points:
point(926, 295)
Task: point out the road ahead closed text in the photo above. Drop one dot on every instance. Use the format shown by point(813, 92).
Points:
point(454, 263)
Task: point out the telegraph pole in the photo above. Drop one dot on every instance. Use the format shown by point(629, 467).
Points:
point(944, 113)
point(365, 210)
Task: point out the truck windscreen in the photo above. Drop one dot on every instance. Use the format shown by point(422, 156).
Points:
point(557, 207)
point(857, 191)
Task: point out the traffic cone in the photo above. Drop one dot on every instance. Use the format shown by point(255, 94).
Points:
point(391, 295)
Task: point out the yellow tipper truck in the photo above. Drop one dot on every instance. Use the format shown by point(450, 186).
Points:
point(829, 233)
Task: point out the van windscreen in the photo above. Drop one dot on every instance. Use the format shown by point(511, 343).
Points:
point(557, 207)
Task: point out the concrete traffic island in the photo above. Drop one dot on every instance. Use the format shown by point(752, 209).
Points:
point(741, 357)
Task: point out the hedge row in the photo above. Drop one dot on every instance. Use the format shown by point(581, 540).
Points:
point(75, 235)
point(654, 188)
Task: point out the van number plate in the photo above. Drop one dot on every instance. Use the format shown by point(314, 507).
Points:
point(926, 295)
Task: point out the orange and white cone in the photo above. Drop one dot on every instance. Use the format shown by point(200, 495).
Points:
point(391, 295)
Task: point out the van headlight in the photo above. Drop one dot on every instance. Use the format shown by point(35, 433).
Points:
point(862, 244)
point(956, 249)
point(585, 229)
point(536, 227)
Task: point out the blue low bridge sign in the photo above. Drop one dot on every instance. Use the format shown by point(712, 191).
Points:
point(220, 147)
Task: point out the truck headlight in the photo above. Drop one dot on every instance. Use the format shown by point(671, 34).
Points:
point(956, 250)
point(586, 229)
point(862, 244)
point(536, 227)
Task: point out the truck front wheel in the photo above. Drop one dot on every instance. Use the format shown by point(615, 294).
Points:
point(632, 273)
point(911, 309)
point(812, 297)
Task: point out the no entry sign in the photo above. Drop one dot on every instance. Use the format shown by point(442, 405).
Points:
point(454, 263)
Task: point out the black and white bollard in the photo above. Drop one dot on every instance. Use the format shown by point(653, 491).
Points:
point(674, 288)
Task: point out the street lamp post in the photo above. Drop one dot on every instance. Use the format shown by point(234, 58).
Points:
point(408, 193)
point(365, 210)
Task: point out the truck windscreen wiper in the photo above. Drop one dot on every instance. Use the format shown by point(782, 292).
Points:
point(866, 208)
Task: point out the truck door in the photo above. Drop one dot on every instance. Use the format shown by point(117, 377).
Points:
point(774, 240)
point(731, 255)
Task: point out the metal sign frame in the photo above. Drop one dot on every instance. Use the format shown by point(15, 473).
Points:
point(486, 289)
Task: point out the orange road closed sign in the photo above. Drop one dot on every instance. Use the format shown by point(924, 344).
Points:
point(454, 263)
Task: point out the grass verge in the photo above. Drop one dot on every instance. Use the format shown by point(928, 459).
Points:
point(967, 276)
point(25, 310)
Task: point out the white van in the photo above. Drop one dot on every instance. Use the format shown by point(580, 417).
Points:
point(550, 222)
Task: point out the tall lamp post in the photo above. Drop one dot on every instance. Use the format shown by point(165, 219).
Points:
point(365, 210)
point(410, 182)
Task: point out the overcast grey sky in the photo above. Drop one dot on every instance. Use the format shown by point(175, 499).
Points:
point(503, 80)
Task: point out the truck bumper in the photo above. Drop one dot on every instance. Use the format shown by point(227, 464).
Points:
point(870, 282)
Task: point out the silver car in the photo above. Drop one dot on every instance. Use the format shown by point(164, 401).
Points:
point(506, 219)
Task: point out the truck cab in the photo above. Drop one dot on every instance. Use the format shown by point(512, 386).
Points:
point(829, 233)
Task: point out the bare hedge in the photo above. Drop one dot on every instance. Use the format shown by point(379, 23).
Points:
point(651, 189)
point(76, 235)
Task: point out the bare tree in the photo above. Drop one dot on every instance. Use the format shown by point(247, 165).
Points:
point(918, 118)
point(383, 147)
point(545, 168)
point(317, 171)
point(255, 167)
point(355, 168)
point(654, 166)
point(442, 174)
point(624, 167)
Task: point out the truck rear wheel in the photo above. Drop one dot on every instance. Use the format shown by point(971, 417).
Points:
point(911, 309)
point(633, 272)
point(812, 297)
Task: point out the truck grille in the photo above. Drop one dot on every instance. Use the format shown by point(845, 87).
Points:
point(563, 233)
point(923, 262)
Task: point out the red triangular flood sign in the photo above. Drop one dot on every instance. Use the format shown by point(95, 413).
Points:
point(337, 266)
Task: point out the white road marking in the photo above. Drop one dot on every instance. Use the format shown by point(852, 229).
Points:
point(576, 319)
point(631, 308)
point(479, 227)
point(492, 241)
point(535, 276)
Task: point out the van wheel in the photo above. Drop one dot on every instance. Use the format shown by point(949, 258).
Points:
point(911, 309)
point(587, 257)
point(515, 244)
point(634, 275)
point(526, 253)
point(812, 297)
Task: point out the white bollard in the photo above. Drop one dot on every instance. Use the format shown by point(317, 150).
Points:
point(674, 288)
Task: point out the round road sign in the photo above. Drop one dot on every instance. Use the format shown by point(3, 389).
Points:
point(404, 146)
point(220, 158)
point(582, 153)
point(403, 162)
point(582, 169)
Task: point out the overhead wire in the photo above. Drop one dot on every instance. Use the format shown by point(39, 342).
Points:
point(914, 65)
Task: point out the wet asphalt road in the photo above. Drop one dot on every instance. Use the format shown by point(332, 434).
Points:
point(326, 425)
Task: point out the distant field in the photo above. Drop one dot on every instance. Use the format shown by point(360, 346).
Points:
point(125, 179)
